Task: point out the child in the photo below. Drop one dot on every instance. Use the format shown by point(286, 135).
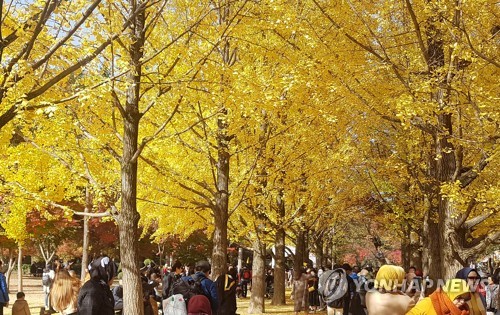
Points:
point(20, 306)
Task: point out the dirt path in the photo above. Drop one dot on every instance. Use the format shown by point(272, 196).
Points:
point(32, 287)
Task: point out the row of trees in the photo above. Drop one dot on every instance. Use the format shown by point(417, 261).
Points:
point(260, 121)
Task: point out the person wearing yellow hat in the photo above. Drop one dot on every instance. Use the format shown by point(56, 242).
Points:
point(450, 299)
point(387, 298)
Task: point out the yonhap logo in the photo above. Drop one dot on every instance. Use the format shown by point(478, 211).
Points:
point(333, 284)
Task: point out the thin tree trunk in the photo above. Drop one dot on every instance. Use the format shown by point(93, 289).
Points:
point(257, 305)
point(240, 258)
point(86, 236)
point(10, 267)
point(20, 269)
point(406, 246)
point(221, 215)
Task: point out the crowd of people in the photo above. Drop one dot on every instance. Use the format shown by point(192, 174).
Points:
point(392, 291)
point(67, 295)
point(343, 290)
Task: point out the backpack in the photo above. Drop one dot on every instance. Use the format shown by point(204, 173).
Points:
point(174, 305)
point(246, 275)
point(46, 281)
point(333, 286)
point(188, 287)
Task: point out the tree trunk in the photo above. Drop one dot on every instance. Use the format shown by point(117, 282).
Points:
point(416, 250)
point(221, 212)
point(298, 263)
point(128, 222)
point(279, 297)
point(406, 249)
point(440, 261)
point(10, 267)
point(86, 236)
point(257, 305)
point(128, 218)
point(240, 258)
point(20, 269)
point(318, 250)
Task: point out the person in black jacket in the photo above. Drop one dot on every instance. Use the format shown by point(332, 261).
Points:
point(226, 292)
point(169, 278)
point(95, 297)
point(118, 297)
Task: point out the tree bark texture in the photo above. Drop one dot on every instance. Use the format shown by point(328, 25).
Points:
point(128, 218)
point(298, 263)
point(257, 305)
point(221, 212)
point(20, 269)
point(279, 297)
point(440, 260)
point(86, 235)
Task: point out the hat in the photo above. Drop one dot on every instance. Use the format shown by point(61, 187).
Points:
point(203, 265)
point(389, 277)
point(103, 269)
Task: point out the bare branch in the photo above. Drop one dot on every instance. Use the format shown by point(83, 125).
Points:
point(421, 44)
point(117, 103)
point(477, 248)
point(464, 216)
point(196, 192)
point(146, 140)
point(57, 205)
point(478, 53)
point(352, 39)
point(480, 219)
point(469, 176)
point(63, 40)
point(84, 61)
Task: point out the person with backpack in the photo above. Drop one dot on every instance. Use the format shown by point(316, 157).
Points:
point(245, 278)
point(387, 297)
point(48, 276)
point(198, 283)
point(95, 297)
point(169, 278)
